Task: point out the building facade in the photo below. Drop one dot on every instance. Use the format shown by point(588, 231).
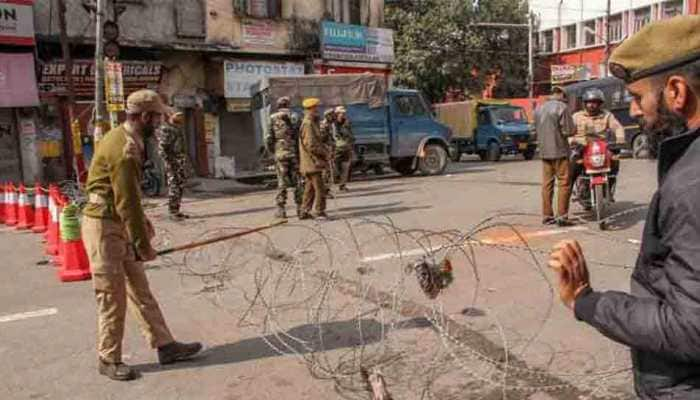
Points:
point(207, 57)
point(572, 51)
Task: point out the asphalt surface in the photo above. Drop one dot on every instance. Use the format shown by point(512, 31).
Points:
point(304, 332)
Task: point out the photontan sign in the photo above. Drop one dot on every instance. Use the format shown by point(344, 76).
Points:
point(241, 77)
point(16, 22)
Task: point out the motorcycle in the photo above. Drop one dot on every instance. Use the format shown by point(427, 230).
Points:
point(593, 187)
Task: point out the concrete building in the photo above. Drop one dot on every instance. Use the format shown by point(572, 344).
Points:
point(572, 37)
point(205, 56)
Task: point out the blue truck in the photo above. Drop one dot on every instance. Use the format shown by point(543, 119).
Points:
point(393, 127)
point(488, 128)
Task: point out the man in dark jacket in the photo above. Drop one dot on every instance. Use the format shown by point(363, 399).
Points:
point(554, 125)
point(660, 319)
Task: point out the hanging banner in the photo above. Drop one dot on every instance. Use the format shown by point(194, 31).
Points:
point(114, 86)
point(356, 43)
point(16, 22)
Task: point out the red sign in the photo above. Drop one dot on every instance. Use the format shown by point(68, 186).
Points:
point(17, 80)
point(17, 22)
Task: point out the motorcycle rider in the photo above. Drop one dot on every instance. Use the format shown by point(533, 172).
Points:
point(594, 119)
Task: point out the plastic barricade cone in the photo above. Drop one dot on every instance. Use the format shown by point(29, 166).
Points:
point(11, 206)
point(41, 210)
point(52, 206)
point(75, 265)
point(58, 256)
point(25, 210)
point(53, 232)
point(2, 203)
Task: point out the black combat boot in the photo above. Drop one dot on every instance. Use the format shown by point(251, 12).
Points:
point(281, 213)
point(177, 351)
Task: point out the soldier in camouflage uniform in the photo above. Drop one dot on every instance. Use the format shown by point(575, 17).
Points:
point(171, 147)
point(282, 141)
point(117, 237)
point(328, 127)
point(344, 141)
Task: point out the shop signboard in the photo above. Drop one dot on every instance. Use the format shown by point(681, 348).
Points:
point(136, 75)
point(17, 22)
point(242, 77)
point(570, 73)
point(17, 80)
point(357, 43)
point(114, 83)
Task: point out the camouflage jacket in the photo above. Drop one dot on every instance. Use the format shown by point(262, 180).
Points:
point(344, 139)
point(115, 176)
point(282, 135)
point(328, 133)
point(171, 143)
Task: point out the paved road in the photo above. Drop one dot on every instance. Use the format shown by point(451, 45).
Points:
point(295, 313)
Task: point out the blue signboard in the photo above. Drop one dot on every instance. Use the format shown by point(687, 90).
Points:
point(343, 36)
point(356, 43)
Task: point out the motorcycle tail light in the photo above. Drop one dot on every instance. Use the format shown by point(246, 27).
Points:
point(598, 160)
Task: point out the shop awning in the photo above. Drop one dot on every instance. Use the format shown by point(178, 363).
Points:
point(18, 80)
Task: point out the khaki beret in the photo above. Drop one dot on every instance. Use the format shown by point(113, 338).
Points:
point(329, 112)
point(311, 102)
point(659, 47)
point(284, 100)
point(340, 110)
point(145, 100)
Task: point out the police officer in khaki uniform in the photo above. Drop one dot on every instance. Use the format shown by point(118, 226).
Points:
point(314, 159)
point(594, 120)
point(117, 237)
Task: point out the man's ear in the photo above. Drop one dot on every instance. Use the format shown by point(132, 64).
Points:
point(677, 94)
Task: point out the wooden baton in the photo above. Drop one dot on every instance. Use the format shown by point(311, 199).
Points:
point(194, 245)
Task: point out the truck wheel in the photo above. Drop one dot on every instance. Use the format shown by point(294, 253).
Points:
point(529, 154)
point(482, 155)
point(404, 166)
point(493, 153)
point(435, 160)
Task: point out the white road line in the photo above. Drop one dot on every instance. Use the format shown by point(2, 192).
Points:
point(510, 239)
point(26, 315)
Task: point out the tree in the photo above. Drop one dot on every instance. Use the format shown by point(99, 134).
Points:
point(439, 46)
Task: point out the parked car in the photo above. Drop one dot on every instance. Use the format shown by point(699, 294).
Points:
point(617, 101)
point(489, 128)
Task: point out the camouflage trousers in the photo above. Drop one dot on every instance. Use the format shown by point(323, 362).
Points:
point(343, 159)
point(176, 175)
point(288, 178)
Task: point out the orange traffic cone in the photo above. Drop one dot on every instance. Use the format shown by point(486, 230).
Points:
point(60, 250)
point(2, 203)
point(11, 206)
point(41, 210)
point(25, 210)
point(53, 231)
point(75, 265)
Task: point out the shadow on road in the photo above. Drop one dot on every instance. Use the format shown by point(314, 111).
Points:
point(372, 210)
point(624, 215)
point(304, 339)
point(232, 213)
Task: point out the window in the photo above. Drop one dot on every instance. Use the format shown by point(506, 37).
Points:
point(355, 17)
point(641, 18)
point(672, 8)
point(570, 36)
point(409, 106)
point(484, 118)
point(589, 33)
point(258, 8)
point(615, 28)
point(509, 115)
point(547, 42)
point(190, 18)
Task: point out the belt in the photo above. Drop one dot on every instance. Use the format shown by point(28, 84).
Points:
point(95, 198)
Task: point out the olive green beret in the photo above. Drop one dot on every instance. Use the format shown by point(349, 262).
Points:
point(659, 47)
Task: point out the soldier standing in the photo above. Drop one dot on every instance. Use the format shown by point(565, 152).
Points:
point(171, 148)
point(314, 159)
point(344, 141)
point(282, 141)
point(327, 136)
point(117, 238)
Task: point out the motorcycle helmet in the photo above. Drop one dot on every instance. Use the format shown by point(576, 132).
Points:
point(594, 95)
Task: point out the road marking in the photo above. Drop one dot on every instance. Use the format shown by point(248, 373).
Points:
point(26, 315)
point(492, 240)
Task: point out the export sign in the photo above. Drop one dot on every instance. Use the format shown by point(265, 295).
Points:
point(135, 75)
point(241, 77)
point(357, 43)
point(16, 22)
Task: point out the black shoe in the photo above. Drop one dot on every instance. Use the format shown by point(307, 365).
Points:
point(183, 216)
point(564, 222)
point(343, 188)
point(549, 221)
point(281, 213)
point(176, 217)
point(305, 215)
point(116, 371)
point(177, 351)
point(322, 216)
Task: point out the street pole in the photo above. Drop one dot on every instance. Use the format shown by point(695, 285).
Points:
point(607, 39)
point(530, 53)
point(100, 124)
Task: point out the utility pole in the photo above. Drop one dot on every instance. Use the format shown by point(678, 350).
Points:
point(530, 52)
point(607, 39)
point(100, 123)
